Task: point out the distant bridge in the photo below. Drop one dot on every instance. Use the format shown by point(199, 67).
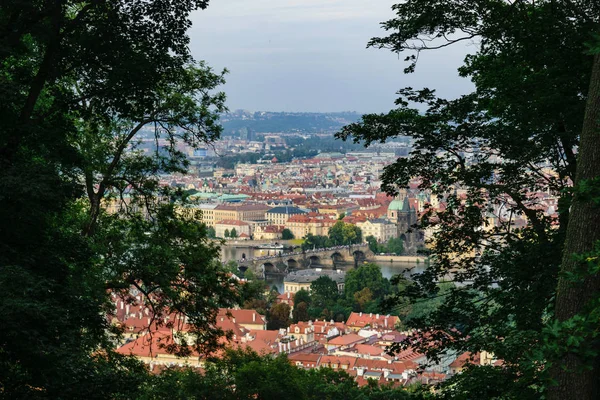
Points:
point(287, 262)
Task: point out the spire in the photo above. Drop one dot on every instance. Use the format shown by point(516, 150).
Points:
point(405, 205)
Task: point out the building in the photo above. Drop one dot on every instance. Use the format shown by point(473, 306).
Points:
point(379, 228)
point(249, 319)
point(344, 342)
point(287, 298)
point(380, 322)
point(302, 330)
point(302, 279)
point(269, 232)
point(241, 228)
point(316, 224)
point(405, 216)
point(213, 213)
point(208, 214)
point(280, 215)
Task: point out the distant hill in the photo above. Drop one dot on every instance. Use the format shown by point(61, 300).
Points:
point(266, 122)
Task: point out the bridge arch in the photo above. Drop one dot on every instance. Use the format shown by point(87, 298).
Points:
point(269, 267)
point(359, 256)
point(337, 257)
point(292, 263)
point(314, 259)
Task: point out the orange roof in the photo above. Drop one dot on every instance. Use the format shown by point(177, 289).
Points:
point(465, 358)
point(346, 339)
point(150, 345)
point(369, 349)
point(327, 361)
point(376, 321)
point(243, 316)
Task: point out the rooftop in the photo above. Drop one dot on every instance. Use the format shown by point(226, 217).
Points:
point(286, 210)
point(311, 275)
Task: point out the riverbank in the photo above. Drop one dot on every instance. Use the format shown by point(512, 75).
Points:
point(401, 259)
point(254, 243)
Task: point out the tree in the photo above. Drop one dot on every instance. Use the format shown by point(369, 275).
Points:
point(251, 290)
point(302, 296)
point(284, 379)
point(394, 246)
point(226, 233)
point(315, 242)
point(366, 276)
point(258, 304)
point(336, 233)
point(286, 234)
point(577, 302)
point(507, 275)
point(79, 82)
point(210, 232)
point(232, 268)
point(233, 234)
point(341, 311)
point(373, 245)
point(363, 297)
point(324, 292)
point(279, 316)
point(300, 312)
point(243, 374)
point(342, 233)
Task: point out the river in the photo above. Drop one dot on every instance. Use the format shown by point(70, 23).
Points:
point(388, 269)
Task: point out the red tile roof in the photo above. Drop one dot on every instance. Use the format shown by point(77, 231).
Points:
point(345, 340)
point(375, 321)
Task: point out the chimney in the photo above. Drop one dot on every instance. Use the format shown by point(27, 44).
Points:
point(360, 315)
point(370, 315)
point(377, 316)
point(385, 322)
point(127, 309)
point(253, 317)
point(122, 302)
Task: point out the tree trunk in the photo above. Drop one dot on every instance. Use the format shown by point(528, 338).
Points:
point(583, 231)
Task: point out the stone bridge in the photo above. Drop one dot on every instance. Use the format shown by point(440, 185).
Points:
point(322, 258)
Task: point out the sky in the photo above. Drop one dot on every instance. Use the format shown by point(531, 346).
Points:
point(311, 56)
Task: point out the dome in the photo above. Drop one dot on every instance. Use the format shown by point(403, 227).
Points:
point(395, 205)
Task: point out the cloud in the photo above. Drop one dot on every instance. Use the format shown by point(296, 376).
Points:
point(310, 55)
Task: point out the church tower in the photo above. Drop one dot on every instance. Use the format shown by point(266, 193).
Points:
point(412, 238)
